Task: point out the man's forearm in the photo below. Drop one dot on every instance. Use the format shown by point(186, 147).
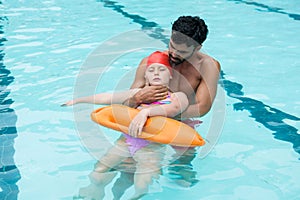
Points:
point(195, 110)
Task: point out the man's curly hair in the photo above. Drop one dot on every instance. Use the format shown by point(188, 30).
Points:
point(193, 28)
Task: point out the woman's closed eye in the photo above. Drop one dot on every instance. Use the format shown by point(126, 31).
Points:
point(162, 69)
point(150, 69)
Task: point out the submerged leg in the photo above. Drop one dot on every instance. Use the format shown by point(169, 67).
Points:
point(113, 157)
point(96, 191)
point(149, 162)
point(102, 174)
point(122, 184)
point(181, 170)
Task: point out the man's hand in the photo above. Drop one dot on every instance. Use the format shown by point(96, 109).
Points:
point(149, 94)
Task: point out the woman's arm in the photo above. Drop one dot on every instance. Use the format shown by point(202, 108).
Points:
point(179, 103)
point(104, 98)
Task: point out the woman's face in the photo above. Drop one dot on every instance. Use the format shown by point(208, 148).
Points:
point(158, 74)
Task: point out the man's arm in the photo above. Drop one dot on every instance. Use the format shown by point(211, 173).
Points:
point(206, 91)
point(147, 94)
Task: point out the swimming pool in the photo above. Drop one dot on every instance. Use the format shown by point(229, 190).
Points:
point(45, 44)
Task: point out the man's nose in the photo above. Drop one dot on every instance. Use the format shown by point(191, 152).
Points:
point(174, 53)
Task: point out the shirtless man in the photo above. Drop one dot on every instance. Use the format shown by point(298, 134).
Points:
point(194, 73)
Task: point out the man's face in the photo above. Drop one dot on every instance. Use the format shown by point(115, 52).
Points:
point(178, 53)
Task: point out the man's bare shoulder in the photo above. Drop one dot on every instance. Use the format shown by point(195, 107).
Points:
point(207, 62)
point(144, 60)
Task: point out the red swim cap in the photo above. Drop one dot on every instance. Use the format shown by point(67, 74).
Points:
point(160, 58)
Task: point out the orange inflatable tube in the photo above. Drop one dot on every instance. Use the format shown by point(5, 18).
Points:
point(157, 129)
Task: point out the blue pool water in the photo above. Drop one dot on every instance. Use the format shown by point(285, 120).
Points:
point(46, 152)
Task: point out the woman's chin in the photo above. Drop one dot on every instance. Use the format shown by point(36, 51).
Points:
point(158, 83)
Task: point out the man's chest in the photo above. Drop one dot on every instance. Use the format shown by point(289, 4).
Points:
point(186, 81)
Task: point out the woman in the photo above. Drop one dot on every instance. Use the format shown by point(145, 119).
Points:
point(148, 155)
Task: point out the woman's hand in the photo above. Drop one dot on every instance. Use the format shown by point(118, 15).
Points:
point(138, 122)
point(69, 103)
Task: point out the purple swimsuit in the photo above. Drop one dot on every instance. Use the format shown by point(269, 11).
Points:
point(138, 143)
